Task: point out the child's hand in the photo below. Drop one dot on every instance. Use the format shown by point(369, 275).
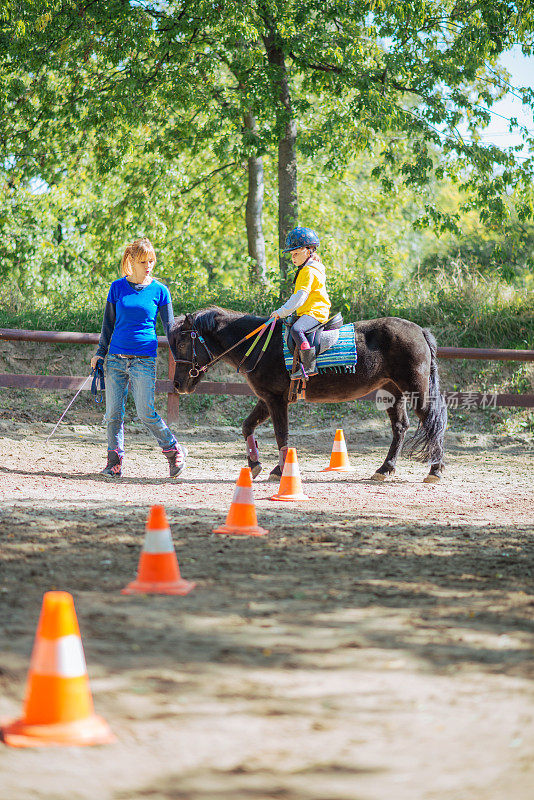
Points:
point(94, 361)
point(275, 315)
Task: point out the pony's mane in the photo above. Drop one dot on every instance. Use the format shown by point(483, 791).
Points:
point(209, 318)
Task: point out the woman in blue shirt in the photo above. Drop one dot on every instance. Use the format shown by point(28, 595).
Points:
point(129, 340)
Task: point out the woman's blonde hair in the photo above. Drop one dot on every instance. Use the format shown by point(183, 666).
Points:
point(139, 247)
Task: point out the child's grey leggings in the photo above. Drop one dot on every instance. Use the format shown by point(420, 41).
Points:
point(301, 326)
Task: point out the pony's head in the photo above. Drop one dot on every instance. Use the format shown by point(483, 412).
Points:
point(190, 350)
point(197, 338)
point(188, 353)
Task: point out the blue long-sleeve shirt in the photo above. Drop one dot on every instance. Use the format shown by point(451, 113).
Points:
point(129, 325)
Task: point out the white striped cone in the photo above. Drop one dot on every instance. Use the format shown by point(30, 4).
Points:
point(63, 657)
point(158, 571)
point(58, 709)
point(158, 541)
point(242, 518)
point(290, 484)
point(339, 460)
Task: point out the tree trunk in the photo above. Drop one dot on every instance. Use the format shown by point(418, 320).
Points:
point(288, 210)
point(253, 215)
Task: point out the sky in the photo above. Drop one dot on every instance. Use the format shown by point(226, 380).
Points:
point(521, 69)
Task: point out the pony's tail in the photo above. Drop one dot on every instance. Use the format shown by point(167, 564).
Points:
point(427, 442)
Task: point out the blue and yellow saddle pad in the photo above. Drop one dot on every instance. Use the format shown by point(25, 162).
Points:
point(342, 357)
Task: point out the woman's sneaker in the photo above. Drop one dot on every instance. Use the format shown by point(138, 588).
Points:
point(113, 468)
point(176, 457)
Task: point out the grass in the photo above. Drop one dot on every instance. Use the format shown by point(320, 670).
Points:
point(463, 309)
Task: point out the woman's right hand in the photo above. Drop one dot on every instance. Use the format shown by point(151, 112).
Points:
point(94, 361)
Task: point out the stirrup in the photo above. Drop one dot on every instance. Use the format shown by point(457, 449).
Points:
point(300, 374)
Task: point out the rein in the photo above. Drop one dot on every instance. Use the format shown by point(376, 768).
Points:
point(255, 342)
point(196, 370)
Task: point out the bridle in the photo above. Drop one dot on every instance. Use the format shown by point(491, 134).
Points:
point(196, 370)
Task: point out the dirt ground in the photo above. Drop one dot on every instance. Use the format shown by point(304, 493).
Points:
point(377, 644)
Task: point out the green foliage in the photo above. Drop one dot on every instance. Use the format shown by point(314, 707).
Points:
point(370, 249)
point(195, 224)
point(508, 253)
point(506, 250)
point(400, 77)
point(367, 235)
point(40, 234)
point(462, 309)
point(72, 311)
point(120, 119)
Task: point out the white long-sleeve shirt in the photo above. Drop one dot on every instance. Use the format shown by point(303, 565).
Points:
point(295, 301)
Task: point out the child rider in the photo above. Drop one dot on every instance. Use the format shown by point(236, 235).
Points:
point(310, 299)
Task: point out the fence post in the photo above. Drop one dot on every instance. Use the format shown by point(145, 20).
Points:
point(173, 400)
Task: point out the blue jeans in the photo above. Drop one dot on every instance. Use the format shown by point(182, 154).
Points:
point(141, 372)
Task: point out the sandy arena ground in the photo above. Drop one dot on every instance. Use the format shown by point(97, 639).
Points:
point(376, 645)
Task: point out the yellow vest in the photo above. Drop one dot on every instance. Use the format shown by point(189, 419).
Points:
point(312, 279)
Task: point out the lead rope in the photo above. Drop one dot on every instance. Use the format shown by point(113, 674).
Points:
point(69, 405)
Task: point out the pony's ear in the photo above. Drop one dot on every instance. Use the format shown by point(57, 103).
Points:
point(177, 323)
point(184, 322)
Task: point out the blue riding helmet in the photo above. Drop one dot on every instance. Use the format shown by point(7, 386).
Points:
point(301, 237)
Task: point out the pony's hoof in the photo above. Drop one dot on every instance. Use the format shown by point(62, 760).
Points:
point(275, 474)
point(382, 476)
point(255, 469)
point(432, 478)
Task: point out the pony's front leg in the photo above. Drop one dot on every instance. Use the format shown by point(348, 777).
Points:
point(259, 414)
point(278, 408)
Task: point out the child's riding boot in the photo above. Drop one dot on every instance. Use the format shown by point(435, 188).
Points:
point(113, 468)
point(176, 456)
point(308, 359)
point(307, 362)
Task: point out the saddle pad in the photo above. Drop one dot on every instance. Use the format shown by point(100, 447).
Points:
point(341, 354)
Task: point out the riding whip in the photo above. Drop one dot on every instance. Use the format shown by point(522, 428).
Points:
point(69, 405)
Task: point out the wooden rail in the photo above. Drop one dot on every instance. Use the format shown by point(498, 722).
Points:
point(69, 382)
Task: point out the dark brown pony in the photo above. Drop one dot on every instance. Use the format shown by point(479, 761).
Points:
point(394, 355)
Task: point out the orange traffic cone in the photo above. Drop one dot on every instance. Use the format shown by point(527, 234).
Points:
point(58, 709)
point(339, 460)
point(242, 515)
point(158, 571)
point(290, 486)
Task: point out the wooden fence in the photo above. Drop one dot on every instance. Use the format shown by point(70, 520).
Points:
point(70, 382)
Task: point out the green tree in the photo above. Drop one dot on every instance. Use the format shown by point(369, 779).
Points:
point(337, 77)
